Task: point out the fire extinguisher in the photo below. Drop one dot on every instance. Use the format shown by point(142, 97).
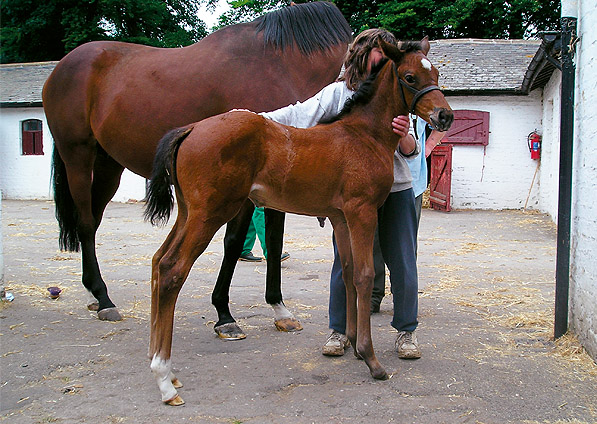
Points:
point(534, 143)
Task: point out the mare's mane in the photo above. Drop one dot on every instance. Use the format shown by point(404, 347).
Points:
point(313, 27)
point(365, 91)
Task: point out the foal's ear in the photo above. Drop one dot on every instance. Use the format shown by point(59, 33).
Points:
point(425, 45)
point(390, 50)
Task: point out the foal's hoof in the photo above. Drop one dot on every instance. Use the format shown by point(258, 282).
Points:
point(379, 374)
point(230, 331)
point(109, 314)
point(177, 384)
point(175, 401)
point(288, 325)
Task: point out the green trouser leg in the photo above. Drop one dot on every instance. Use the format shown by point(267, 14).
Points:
point(256, 227)
point(259, 223)
point(249, 240)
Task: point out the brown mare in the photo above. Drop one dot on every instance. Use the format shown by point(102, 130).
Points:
point(109, 103)
point(342, 170)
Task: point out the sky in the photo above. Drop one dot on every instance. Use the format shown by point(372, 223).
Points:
point(210, 18)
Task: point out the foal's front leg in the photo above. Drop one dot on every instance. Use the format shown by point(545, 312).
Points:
point(362, 232)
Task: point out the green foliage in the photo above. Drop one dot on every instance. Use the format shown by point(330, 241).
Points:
point(248, 10)
point(34, 30)
point(412, 19)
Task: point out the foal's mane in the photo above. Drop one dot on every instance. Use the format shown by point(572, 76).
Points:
point(315, 26)
point(365, 91)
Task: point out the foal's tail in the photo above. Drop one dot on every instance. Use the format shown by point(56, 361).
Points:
point(66, 212)
point(160, 200)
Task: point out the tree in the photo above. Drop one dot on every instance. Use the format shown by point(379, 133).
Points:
point(412, 19)
point(34, 30)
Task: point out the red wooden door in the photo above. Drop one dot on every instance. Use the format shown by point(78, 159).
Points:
point(469, 127)
point(440, 186)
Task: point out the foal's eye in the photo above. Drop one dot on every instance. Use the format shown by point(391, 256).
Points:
point(409, 79)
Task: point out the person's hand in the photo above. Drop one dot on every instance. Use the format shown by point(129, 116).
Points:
point(400, 125)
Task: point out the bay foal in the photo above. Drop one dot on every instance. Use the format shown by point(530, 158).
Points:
point(342, 170)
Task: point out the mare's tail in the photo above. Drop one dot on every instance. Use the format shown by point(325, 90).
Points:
point(66, 212)
point(160, 200)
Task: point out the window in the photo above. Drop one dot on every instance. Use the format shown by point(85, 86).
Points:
point(31, 137)
point(469, 127)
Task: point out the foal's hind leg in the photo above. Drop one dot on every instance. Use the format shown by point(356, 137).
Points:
point(236, 232)
point(274, 236)
point(170, 268)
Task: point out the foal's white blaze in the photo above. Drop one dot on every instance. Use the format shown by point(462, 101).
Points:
point(280, 312)
point(426, 64)
point(161, 370)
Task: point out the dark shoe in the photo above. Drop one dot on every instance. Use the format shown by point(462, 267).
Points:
point(284, 256)
point(250, 258)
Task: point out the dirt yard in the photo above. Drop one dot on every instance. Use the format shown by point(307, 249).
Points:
point(486, 312)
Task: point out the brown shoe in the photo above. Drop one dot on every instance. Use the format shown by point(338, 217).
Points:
point(407, 345)
point(335, 344)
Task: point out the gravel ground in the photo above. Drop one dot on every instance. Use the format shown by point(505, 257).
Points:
point(486, 316)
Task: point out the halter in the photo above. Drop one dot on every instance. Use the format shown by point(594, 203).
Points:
point(417, 93)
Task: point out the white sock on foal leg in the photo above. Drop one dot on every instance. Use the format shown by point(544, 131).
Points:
point(161, 370)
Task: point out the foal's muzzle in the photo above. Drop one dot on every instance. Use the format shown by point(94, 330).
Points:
point(441, 119)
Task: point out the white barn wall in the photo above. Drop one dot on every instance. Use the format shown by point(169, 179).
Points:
point(499, 175)
point(583, 267)
point(550, 147)
point(23, 177)
point(28, 177)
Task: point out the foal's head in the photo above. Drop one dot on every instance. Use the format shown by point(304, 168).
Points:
point(418, 80)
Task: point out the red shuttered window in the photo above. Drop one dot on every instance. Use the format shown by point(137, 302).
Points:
point(31, 137)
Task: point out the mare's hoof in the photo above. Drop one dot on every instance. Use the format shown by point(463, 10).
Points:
point(288, 325)
point(176, 383)
point(93, 306)
point(230, 331)
point(109, 314)
point(175, 401)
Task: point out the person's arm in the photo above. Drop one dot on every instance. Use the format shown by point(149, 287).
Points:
point(309, 113)
point(434, 140)
point(407, 146)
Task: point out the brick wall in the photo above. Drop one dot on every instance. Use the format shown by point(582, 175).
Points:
point(583, 272)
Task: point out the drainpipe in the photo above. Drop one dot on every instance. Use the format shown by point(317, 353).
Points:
point(568, 22)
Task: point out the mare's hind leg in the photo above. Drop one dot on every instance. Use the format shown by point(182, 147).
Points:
point(170, 268)
point(84, 179)
point(274, 237)
point(106, 179)
point(236, 232)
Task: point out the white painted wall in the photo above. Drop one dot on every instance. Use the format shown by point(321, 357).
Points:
point(499, 175)
point(583, 267)
point(23, 177)
point(550, 147)
point(28, 177)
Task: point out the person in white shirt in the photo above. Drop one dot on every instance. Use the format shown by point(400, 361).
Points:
point(396, 217)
